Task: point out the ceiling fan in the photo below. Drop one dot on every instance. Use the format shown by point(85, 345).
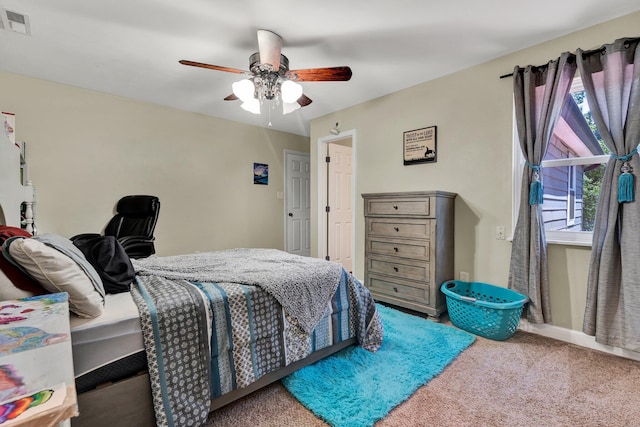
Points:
point(270, 78)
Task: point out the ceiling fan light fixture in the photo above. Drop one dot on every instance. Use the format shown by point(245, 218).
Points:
point(290, 107)
point(251, 105)
point(290, 91)
point(244, 89)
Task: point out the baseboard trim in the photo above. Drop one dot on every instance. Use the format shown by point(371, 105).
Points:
point(575, 337)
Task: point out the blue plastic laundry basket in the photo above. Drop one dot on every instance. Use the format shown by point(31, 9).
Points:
point(482, 309)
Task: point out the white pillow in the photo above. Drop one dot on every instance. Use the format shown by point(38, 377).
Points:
point(56, 272)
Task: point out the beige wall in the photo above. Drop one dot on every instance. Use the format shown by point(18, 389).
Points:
point(473, 112)
point(86, 150)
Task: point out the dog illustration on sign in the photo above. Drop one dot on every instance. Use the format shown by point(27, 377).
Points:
point(429, 154)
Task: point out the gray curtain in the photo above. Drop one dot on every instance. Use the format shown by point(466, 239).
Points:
point(611, 77)
point(539, 94)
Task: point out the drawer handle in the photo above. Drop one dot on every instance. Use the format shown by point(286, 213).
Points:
point(396, 228)
point(395, 269)
point(395, 207)
point(395, 289)
point(395, 249)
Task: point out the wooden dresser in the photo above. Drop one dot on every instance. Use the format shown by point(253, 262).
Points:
point(409, 248)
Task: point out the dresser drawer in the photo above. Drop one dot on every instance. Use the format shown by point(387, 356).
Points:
point(417, 228)
point(415, 249)
point(398, 206)
point(399, 267)
point(398, 289)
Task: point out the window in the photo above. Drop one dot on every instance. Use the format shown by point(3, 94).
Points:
point(571, 173)
point(572, 201)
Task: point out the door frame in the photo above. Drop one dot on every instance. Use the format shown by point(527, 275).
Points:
point(321, 188)
point(286, 197)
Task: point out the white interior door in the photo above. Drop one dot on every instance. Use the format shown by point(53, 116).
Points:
point(298, 203)
point(340, 198)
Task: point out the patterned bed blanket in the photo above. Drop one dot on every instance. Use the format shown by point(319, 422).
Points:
point(302, 285)
point(204, 339)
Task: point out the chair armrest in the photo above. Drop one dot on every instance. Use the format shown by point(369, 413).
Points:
point(132, 240)
point(138, 246)
point(84, 235)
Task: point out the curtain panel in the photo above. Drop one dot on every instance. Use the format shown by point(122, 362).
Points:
point(611, 78)
point(539, 94)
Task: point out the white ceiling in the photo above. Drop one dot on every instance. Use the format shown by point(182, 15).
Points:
point(131, 48)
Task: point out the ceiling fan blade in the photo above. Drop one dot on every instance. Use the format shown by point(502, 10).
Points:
point(270, 47)
point(332, 74)
point(304, 100)
point(212, 67)
point(231, 97)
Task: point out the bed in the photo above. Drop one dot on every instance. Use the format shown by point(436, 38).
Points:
point(196, 332)
point(256, 339)
point(260, 331)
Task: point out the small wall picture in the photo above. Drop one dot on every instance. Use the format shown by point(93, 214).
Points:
point(420, 146)
point(9, 124)
point(261, 173)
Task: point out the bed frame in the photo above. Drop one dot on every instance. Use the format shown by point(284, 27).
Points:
point(12, 192)
point(132, 396)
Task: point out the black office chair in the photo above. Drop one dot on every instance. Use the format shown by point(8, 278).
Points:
point(133, 225)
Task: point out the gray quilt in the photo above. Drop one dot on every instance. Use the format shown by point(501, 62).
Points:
point(205, 339)
point(302, 285)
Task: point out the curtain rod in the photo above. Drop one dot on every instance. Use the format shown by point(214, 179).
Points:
point(585, 54)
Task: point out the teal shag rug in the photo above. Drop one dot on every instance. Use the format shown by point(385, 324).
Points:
point(356, 388)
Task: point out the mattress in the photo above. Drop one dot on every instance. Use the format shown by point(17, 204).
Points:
point(115, 335)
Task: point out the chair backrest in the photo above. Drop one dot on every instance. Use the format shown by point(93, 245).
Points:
point(135, 216)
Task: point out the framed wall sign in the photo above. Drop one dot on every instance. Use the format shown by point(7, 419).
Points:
point(419, 146)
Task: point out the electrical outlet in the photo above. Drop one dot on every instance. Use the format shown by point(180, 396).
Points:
point(464, 276)
point(500, 232)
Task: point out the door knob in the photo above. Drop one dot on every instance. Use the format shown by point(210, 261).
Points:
point(290, 214)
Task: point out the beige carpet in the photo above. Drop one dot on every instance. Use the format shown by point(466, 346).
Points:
point(527, 380)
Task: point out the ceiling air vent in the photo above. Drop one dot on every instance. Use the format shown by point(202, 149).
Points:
point(15, 21)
